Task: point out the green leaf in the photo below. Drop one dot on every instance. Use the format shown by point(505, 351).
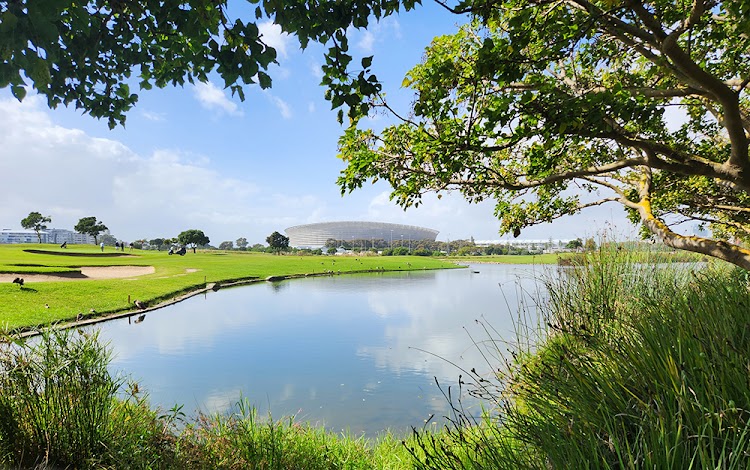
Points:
point(18, 91)
point(8, 22)
point(264, 80)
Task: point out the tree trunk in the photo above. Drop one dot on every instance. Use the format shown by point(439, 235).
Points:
point(720, 249)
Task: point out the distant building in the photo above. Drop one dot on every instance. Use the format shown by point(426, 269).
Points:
point(21, 236)
point(60, 235)
point(55, 235)
point(316, 235)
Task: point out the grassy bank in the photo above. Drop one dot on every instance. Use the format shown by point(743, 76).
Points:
point(638, 365)
point(42, 303)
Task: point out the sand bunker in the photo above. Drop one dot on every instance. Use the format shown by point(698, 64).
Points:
point(89, 272)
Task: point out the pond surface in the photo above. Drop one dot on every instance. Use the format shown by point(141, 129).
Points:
point(351, 352)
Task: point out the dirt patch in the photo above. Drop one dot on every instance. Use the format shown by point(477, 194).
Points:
point(191, 270)
point(87, 273)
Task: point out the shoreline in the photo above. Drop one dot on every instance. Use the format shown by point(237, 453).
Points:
point(210, 286)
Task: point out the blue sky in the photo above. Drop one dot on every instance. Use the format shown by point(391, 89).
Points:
point(195, 157)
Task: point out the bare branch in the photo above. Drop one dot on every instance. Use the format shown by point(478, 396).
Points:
point(635, 91)
point(648, 19)
point(456, 11)
point(578, 208)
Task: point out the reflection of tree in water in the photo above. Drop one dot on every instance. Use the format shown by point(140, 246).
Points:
point(279, 286)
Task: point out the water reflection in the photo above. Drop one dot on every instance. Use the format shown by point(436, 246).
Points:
point(347, 352)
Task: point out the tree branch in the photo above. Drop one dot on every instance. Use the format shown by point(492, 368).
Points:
point(715, 248)
point(714, 221)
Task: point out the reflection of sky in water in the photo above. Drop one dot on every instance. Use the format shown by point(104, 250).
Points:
point(357, 352)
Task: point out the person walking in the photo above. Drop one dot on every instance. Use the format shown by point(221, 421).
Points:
point(101, 245)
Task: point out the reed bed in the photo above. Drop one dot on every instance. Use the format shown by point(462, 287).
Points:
point(638, 365)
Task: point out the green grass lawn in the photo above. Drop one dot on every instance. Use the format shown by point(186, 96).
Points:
point(25, 307)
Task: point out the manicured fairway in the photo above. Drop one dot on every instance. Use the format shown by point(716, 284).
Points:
point(43, 302)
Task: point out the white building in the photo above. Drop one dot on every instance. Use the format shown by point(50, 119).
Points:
point(316, 235)
point(21, 236)
point(61, 235)
point(55, 235)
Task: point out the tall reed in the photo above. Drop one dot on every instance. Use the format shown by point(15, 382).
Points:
point(55, 399)
point(245, 440)
point(643, 365)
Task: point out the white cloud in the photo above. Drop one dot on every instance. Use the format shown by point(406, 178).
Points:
point(366, 41)
point(675, 116)
point(152, 116)
point(272, 35)
point(311, 107)
point(282, 106)
point(393, 26)
point(316, 70)
point(211, 97)
point(68, 174)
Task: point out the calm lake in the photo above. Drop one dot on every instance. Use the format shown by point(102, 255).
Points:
point(356, 352)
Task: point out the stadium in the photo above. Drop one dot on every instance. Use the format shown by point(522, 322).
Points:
point(316, 235)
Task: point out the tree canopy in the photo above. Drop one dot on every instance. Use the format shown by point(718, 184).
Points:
point(193, 238)
point(37, 222)
point(552, 107)
point(84, 53)
point(546, 107)
point(277, 242)
point(90, 226)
